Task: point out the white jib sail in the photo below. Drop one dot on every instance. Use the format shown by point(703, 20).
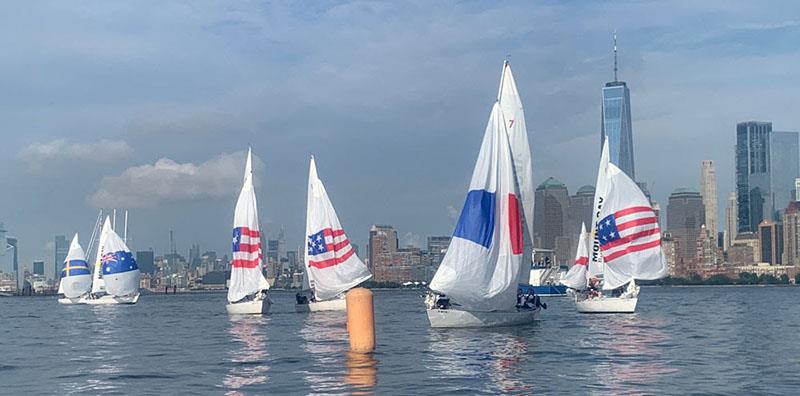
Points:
point(514, 115)
point(595, 255)
point(481, 267)
point(98, 283)
point(76, 279)
point(628, 233)
point(331, 263)
point(120, 271)
point(246, 276)
point(576, 276)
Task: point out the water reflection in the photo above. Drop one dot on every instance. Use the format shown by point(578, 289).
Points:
point(632, 356)
point(362, 372)
point(106, 358)
point(250, 358)
point(489, 360)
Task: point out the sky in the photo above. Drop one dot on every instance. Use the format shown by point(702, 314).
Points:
point(150, 106)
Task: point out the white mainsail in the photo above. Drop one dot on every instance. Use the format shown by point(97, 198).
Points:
point(246, 277)
point(116, 261)
point(332, 267)
point(481, 267)
point(595, 257)
point(76, 279)
point(628, 232)
point(576, 276)
point(514, 115)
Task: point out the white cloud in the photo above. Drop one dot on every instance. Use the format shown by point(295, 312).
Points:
point(411, 239)
point(770, 25)
point(170, 181)
point(62, 150)
point(452, 212)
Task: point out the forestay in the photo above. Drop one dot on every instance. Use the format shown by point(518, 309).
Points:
point(332, 267)
point(576, 276)
point(514, 114)
point(246, 277)
point(628, 233)
point(120, 272)
point(76, 279)
point(481, 267)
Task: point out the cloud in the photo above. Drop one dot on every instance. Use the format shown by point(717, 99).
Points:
point(452, 212)
point(411, 239)
point(770, 25)
point(170, 181)
point(61, 150)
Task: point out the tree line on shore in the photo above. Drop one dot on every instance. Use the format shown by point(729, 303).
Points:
point(744, 278)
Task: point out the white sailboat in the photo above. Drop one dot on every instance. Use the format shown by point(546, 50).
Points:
point(575, 278)
point(247, 291)
point(331, 265)
point(476, 283)
point(626, 244)
point(116, 274)
point(76, 279)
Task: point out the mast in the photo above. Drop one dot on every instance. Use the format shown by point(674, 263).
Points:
point(125, 232)
point(114, 221)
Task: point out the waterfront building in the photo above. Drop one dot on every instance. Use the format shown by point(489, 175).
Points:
point(783, 170)
point(146, 261)
point(708, 189)
point(382, 247)
point(38, 268)
point(791, 234)
point(669, 246)
point(797, 189)
point(580, 210)
point(551, 203)
point(770, 239)
point(753, 192)
point(708, 255)
point(437, 247)
point(730, 221)
point(685, 217)
point(6, 261)
point(61, 250)
point(616, 122)
point(745, 249)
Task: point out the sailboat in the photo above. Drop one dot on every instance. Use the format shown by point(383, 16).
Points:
point(576, 279)
point(76, 279)
point(626, 243)
point(247, 291)
point(332, 267)
point(116, 275)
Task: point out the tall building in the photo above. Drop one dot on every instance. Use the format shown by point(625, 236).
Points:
point(616, 122)
point(784, 169)
point(580, 209)
point(797, 189)
point(770, 239)
point(61, 251)
point(382, 248)
point(791, 234)
point(753, 193)
point(6, 261)
point(708, 189)
point(551, 205)
point(146, 261)
point(38, 268)
point(437, 247)
point(730, 221)
point(685, 216)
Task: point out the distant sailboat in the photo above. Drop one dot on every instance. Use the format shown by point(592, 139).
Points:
point(576, 276)
point(247, 291)
point(476, 283)
point(76, 279)
point(331, 265)
point(626, 243)
point(116, 274)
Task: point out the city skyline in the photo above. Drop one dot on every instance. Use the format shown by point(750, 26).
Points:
point(395, 124)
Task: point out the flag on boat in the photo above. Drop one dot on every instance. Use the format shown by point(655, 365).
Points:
point(76, 278)
point(332, 267)
point(119, 269)
point(481, 267)
point(628, 232)
point(576, 276)
point(246, 276)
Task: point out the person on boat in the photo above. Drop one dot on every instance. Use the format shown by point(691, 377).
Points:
point(301, 299)
point(593, 289)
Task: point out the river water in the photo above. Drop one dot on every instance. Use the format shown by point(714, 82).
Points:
point(725, 340)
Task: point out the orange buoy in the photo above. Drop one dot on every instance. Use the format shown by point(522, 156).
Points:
point(360, 320)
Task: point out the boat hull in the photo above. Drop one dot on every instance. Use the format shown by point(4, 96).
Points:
point(550, 290)
point(607, 305)
point(252, 307)
point(339, 304)
point(110, 300)
point(444, 318)
point(68, 301)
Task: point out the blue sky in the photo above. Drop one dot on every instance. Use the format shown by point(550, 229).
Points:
point(150, 104)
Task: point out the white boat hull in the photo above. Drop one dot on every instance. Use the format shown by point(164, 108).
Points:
point(458, 318)
point(607, 305)
point(67, 300)
point(317, 306)
point(252, 307)
point(109, 300)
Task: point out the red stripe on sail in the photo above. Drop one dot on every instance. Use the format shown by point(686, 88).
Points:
point(242, 263)
point(634, 223)
point(332, 233)
point(632, 210)
point(582, 260)
point(630, 238)
point(514, 224)
point(331, 261)
point(248, 248)
point(632, 249)
point(249, 232)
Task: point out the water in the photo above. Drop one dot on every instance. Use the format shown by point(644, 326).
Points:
point(726, 340)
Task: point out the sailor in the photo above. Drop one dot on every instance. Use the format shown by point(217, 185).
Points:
point(593, 290)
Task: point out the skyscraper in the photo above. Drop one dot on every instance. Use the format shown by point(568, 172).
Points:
point(145, 259)
point(753, 194)
point(38, 268)
point(708, 189)
point(382, 248)
point(551, 204)
point(616, 122)
point(784, 168)
point(580, 210)
point(770, 238)
point(730, 221)
point(61, 251)
point(791, 234)
point(685, 217)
